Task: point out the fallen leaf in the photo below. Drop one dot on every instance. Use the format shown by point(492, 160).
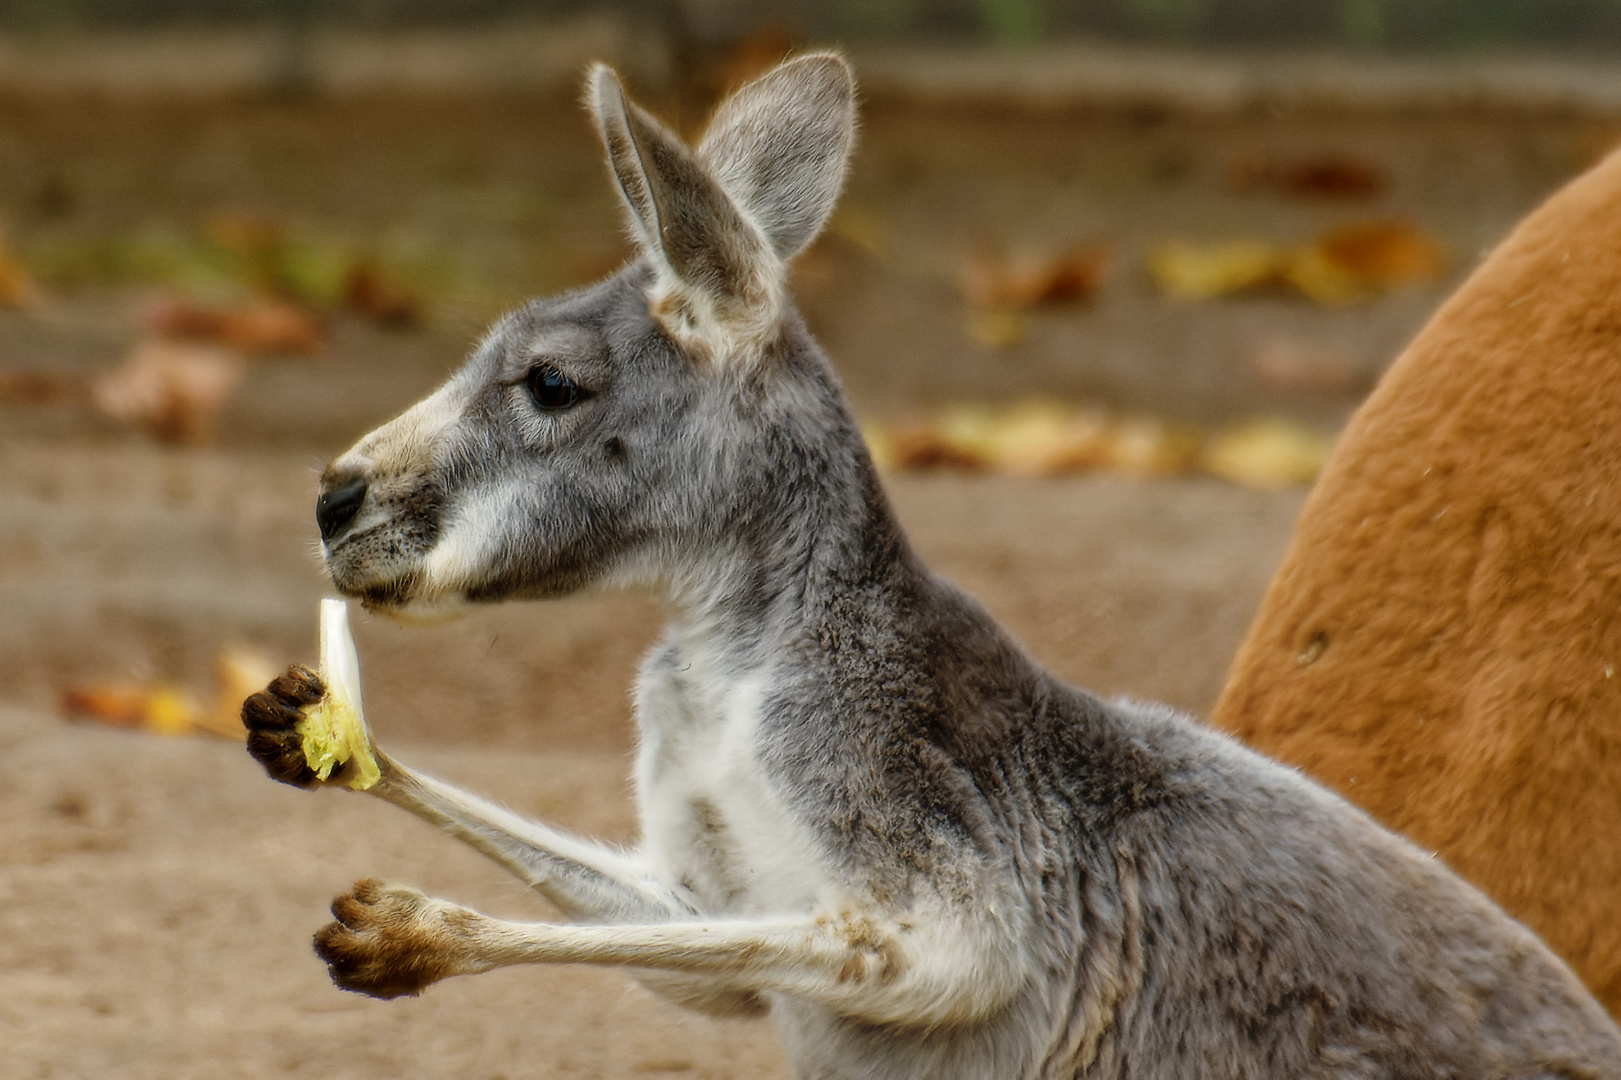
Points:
point(257, 326)
point(244, 234)
point(160, 708)
point(1206, 271)
point(1330, 176)
point(1287, 364)
point(1361, 259)
point(1267, 454)
point(174, 390)
point(1333, 177)
point(118, 704)
point(165, 708)
point(1347, 263)
point(238, 673)
point(996, 329)
point(880, 446)
point(1384, 254)
point(369, 293)
point(1033, 438)
point(17, 288)
point(991, 281)
point(24, 387)
point(928, 446)
point(1144, 446)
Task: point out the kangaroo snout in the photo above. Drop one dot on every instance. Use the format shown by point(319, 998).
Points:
point(339, 502)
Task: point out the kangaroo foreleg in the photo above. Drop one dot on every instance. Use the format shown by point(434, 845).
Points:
point(584, 880)
point(390, 940)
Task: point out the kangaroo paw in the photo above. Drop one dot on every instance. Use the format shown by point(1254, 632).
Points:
point(269, 717)
point(391, 940)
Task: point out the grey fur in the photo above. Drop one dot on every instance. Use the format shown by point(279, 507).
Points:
point(1168, 903)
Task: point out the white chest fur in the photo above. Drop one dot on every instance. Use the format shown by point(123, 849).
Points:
point(712, 823)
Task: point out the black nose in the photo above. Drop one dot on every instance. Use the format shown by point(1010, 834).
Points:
point(340, 501)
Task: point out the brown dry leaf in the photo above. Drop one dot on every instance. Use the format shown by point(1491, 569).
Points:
point(1333, 176)
point(166, 709)
point(1145, 446)
point(1320, 279)
point(257, 326)
point(1267, 454)
point(244, 234)
point(1206, 271)
point(1362, 259)
point(1329, 176)
point(117, 704)
point(369, 293)
point(1384, 254)
point(991, 281)
point(23, 387)
point(932, 446)
point(160, 708)
point(17, 288)
point(1033, 438)
point(172, 389)
point(1043, 441)
point(1349, 262)
point(1084, 445)
point(238, 672)
point(1288, 364)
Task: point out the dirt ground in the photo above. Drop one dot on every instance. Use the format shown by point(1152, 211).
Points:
point(157, 895)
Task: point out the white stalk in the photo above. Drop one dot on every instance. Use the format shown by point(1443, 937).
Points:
point(333, 730)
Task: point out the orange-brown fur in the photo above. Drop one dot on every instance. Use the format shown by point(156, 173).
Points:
point(1442, 644)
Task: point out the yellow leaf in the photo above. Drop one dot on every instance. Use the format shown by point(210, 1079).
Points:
point(1268, 454)
point(1202, 272)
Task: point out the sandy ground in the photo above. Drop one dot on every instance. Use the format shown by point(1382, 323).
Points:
point(157, 895)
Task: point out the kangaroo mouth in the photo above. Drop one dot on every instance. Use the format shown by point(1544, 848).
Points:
point(380, 567)
point(389, 576)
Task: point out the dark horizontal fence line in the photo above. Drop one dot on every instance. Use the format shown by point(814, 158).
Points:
point(1367, 24)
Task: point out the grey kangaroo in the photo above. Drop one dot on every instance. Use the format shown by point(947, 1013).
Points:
point(865, 809)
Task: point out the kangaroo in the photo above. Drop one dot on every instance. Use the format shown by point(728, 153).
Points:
point(1441, 642)
point(865, 809)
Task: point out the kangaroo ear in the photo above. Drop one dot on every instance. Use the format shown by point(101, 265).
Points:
point(716, 266)
point(781, 144)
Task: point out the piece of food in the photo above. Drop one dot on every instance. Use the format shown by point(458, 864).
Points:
point(333, 730)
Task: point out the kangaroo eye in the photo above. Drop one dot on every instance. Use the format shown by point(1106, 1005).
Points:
point(551, 389)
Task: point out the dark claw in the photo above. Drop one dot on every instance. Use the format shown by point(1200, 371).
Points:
point(269, 717)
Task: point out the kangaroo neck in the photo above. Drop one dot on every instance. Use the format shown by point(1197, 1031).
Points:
point(834, 555)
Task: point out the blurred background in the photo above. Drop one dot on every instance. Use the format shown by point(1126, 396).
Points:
point(1107, 278)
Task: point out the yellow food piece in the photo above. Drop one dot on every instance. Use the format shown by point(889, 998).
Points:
point(333, 730)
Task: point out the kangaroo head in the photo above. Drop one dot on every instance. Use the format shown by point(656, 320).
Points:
point(617, 432)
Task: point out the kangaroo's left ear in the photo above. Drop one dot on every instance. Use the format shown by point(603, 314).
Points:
point(719, 224)
point(718, 279)
point(780, 147)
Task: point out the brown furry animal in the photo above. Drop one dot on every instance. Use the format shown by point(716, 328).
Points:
point(1443, 642)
